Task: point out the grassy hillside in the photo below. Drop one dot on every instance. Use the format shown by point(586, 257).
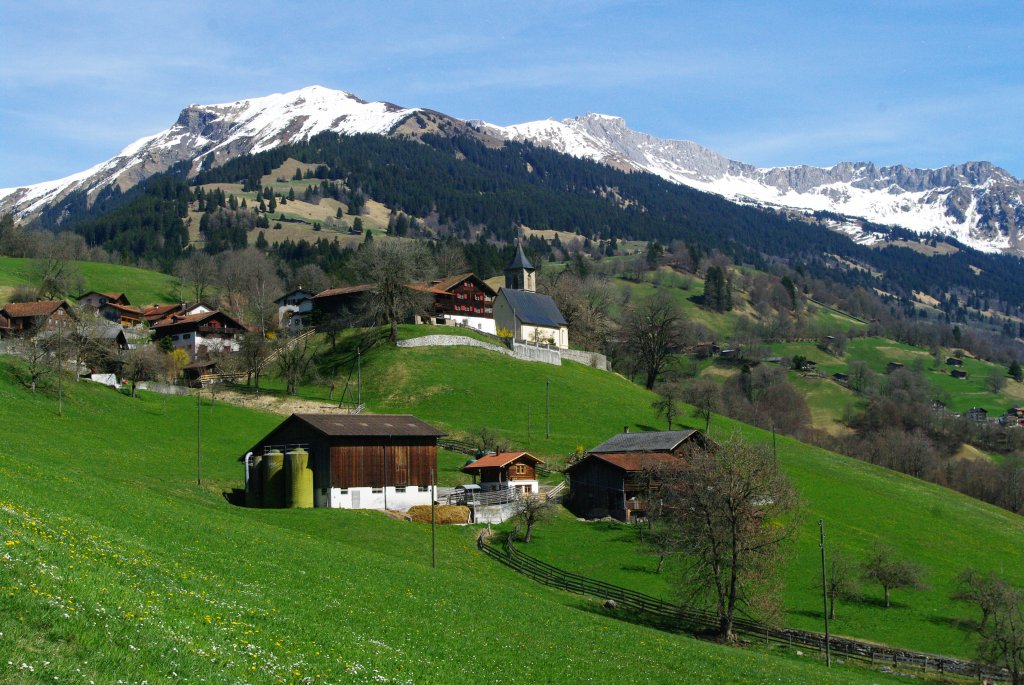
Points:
point(117, 566)
point(142, 286)
point(463, 389)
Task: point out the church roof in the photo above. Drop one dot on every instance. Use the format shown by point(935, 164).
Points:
point(520, 261)
point(534, 308)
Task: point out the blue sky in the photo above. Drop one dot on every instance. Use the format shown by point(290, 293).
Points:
point(920, 83)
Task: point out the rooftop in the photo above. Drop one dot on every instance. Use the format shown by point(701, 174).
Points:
point(638, 461)
point(651, 441)
point(534, 308)
point(499, 460)
point(376, 425)
point(19, 310)
point(519, 261)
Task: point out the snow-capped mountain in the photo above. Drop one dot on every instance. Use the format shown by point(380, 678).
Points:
point(977, 203)
point(208, 135)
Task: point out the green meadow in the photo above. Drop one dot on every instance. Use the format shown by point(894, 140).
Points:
point(143, 287)
point(116, 566)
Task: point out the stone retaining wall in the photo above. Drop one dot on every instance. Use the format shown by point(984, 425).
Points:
point(592, 359)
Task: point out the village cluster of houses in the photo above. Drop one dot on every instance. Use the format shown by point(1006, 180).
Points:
point(385, 461)
point(464, 300)
point(200, 330)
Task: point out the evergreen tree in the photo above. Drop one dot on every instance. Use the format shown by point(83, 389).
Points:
point(1015, 371)
point(273, 203)
point(291, 194)
point(261, 241)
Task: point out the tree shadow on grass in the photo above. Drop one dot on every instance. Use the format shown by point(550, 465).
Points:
point(955, 622)
point(671, 624)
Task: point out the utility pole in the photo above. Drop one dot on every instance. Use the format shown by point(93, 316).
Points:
point(547, 408)
point(433, 518)
point(824, 594)
point(60, 364)
point(529, 420)
point(199, 406)
point(775, 451)
point(359, 377)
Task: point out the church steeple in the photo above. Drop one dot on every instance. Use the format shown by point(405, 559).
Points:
point(520, 274)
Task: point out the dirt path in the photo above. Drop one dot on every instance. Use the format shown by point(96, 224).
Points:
point(276, 404)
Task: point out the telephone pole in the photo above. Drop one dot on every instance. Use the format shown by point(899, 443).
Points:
point(547, 408)
point(824, 593)
point(199, 406)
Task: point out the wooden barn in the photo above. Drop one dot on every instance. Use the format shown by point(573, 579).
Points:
point(359, 461)
point(614, 478)
point(506, 470)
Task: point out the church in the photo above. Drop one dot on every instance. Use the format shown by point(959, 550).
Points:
point(531, 317)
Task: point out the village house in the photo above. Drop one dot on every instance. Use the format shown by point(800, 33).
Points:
point(953, 361)
point(359, 461)
point(95, 299)
point(462, 300)
point(976, 414)
point(201, 334)
point(958, 373)
point(294, 309)
point(506, 470)
point(25, 317)
point(156, 313)
point(339, 303)
point(1014, 417)
point(614, 478)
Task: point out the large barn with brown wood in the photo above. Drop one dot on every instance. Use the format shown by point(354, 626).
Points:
point(613, 478)
point(359, 461)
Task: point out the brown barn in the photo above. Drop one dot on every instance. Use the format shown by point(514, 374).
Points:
point(612, 480)
point(506, 470)
point(28, 316)
point(360, 461)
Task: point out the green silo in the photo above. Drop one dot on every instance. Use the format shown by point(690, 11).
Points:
point(273, 479)
point(300, 480)
point(254, 491)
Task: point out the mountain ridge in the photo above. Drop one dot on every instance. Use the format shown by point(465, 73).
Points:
point(978, 203)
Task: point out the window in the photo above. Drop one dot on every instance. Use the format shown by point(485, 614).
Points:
point(399, 488)
point(343, 491)
point(520, 469)
point(377, 490)
point(424, 488)
point(186, 336)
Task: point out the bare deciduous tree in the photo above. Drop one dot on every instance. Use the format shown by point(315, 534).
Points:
point(294, 362)
point(883, 567)
point(1001, 628)
point(142, 364)
point(732, 509)
point(35, 356)
point(196, 272)
point(840, 580)
point(249, 281)
point(652, 333)
point(531, 510)
point(390, 265)
point(667, 404)
point(705, 396)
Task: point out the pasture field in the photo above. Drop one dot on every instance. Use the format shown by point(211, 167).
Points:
point(116, 566)
point(143, 287)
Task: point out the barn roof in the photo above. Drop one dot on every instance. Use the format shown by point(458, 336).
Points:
point(20, 310)
point(534, 308)
point(499, 460)
point(109, 296)
point(347, 290)
point(650, 441)
point(369, 425)
point(632, 461)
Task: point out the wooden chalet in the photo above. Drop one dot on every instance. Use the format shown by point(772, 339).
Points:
point(953, 361)
point(976, 414)
point(95, 299)
point(503, 470)
point(462, 300)
point(616, 476)
point(359, 461)
point(200, 334)
point(23, 317)
point(958, 373)
point(339, 303)
point(156, 313)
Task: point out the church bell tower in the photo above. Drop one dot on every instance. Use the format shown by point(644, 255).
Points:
point(520, 274)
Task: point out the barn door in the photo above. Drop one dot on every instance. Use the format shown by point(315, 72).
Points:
point(400, 458)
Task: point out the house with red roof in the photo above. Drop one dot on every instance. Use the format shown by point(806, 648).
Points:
point(202, 333)
point(517, 470)
point(614, 478)
point(112, 307)
point(19, 317)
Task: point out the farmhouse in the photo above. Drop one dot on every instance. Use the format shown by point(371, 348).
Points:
point(156, 313)
point(358, 461)
point(294, 309)
point(958, 373)
point(334, 303)
point(200, 334)
point(976, 414)
point(953, 361)
point(615, 476)
point(95, 299)
point(462, 300)
point(27, 316)
point(506, 470)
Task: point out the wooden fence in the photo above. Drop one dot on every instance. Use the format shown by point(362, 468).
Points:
point(668, 616)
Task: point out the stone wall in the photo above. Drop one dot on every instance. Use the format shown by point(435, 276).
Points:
point(452, 341)
point(592, 359)
point(531, 353)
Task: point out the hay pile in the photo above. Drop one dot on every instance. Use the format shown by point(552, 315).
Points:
point(446, 513)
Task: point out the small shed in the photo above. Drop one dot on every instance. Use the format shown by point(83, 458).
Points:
point(958, 373)
point(506, 470)
point(361, 461)
point(953, 361)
